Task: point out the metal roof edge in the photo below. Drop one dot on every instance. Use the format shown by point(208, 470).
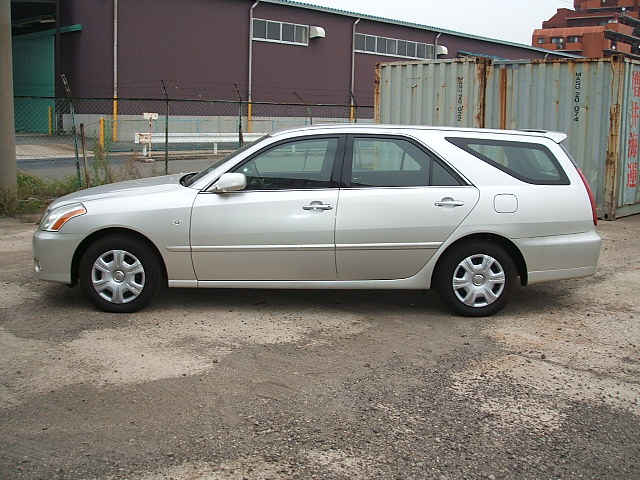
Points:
point(76, 27)
point(555, 136)
point(375, 18)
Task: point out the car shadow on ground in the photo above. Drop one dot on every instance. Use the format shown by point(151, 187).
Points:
point(537, 299)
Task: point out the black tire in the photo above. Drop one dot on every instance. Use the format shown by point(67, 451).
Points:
point(476, 279)
point(119, 274)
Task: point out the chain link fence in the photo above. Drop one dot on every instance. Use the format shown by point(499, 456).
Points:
point(130, 138)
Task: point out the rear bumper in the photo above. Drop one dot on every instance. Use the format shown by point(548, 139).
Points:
point(560, 257)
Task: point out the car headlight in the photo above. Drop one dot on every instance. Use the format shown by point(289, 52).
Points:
point(54, 219)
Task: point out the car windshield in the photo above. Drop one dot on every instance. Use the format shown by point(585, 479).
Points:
point(190, 180)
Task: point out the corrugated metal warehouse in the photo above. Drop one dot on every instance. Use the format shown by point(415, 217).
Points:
point(272, 50)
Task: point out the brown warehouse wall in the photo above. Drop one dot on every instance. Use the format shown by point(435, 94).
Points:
point(200, 49)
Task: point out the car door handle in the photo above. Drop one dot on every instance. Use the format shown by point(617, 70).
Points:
point(449, 202)
point(317, 206)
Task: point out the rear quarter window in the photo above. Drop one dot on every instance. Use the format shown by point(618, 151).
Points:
point(529, 162)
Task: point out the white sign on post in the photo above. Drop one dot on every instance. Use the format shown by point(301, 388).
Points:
point(151, 117)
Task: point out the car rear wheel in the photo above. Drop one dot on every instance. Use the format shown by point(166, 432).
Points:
point(119, 274)
point(476, 279)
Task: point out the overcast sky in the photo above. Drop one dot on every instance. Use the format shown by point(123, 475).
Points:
point(511, 20)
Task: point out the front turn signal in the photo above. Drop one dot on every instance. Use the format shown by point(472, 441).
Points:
point(55, 219)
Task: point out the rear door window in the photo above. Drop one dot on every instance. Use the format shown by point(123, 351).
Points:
point(530, 162)
point(394, 162)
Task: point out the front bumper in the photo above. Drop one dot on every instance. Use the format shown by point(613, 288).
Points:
point(53, 255)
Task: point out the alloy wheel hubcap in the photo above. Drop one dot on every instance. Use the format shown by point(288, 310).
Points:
point(478, 280)
point(118, 276)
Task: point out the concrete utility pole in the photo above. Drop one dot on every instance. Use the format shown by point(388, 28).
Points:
point(8, 168)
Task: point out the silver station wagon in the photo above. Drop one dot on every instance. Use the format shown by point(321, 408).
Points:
point(467, 211)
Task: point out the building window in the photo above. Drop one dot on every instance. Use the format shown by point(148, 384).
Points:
point(393, 47)
point(542, 40)
point(574, 39)
point(280, 32)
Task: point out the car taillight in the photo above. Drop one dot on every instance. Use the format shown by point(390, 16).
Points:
point(591, 198)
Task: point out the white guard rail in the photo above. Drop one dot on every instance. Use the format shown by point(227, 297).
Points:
point(147, 139)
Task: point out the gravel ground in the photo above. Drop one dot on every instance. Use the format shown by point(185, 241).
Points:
point(256, 385)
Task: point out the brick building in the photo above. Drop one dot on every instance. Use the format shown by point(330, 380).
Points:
point(595, 28)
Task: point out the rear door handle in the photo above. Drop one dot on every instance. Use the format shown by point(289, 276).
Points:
point(449, 202)
point(317, 206)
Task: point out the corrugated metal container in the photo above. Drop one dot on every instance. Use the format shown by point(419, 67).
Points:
point(447, 92)
point(595, 101)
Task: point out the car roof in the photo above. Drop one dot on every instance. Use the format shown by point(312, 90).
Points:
point(557, 137)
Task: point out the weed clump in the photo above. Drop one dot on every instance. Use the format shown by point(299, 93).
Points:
point(34, 194)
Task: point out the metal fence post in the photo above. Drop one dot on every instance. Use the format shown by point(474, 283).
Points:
point(73, 127)
point(101, 133)
point(353, 110)
point(307, 105)
point(240, 137)
point(166, 129)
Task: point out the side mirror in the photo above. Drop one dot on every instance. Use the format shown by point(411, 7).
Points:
point(230, 182)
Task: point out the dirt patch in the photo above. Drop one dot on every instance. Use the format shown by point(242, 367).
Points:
point(140, 352)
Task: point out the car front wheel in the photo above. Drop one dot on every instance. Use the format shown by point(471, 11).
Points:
point(476, 279)
point(119, 274)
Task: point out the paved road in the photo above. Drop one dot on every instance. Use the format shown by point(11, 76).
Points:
point(64, 166)
point(54, 157)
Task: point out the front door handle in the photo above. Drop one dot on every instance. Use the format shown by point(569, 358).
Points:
point(317, 206)
point(448, 202)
